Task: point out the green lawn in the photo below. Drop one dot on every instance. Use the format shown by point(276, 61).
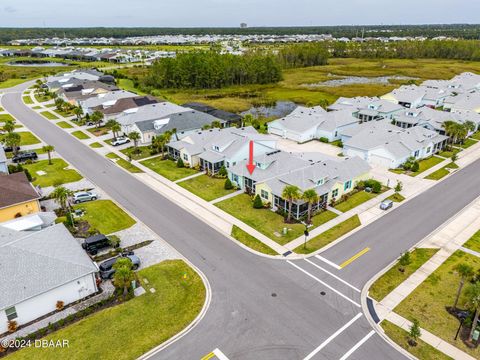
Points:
point(206, 187)
point(80, 135)
point(41, 98)
point(476, 136)
point(143, 322)
point(128, 85)
point(168, 168)
point(26, 138)
point(98, 131)
point(427, 164)
point(428, 302)
point(56, 174)
point(96, 145)
point(112, 155)
point(105, 216)
point(330, 235)
point(128, 166)
point(141, 153)
point(266, 221)
point(394, 277)
point(474, 242)
point(64, 125)
point(442, 172)
point(447, 153)
point(422, 351)
point(63, 113)
point(251, 242)
point(37, 107)
point(396, 197)
point(49, 115)
point(467, 143)
point(5, 117)
point(27, 100)
point(355, 200)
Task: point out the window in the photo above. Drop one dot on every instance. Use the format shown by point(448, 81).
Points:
point(335, 193)
point(264, 194)
point(347, 185)
point(320, 182)
point(428, 149)
point(417, 153)
point(185, 157)
point(228, 164)
point(11, 313)
point(235, 178)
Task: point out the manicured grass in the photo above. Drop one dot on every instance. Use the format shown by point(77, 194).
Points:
point(206, 187)
point(50, 105)
point(105, 216)
point(266, 221)
point(355, 200)
point(467, 143)
point(98, 131)
point(27, 100)
point(112, 155)
point(37, 107)
point(128, 166)
point(168, 168)
point(26, 138)
point(396, 197)
point(41, 98)
point(96, 145)
point(440, 173)
point(330, 235)
point(447, 153)
point(394, 277)
point(63, 113)
point(5, 117)
point(422, 350)
point(49, 115)
point(427, 164)
point(428, 302)
point(80, 135)
point(143, 322)
point(142, 152)
point(64, 125)
point(476, 136)
point(251, 242)
point(474, 242)
point(56, 174)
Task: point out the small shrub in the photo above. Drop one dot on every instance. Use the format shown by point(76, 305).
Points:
point(324, 140)
point(222, 172)
point(180, 163)
point(257, 202)
point(404, 261)
point(414, 332)
point(28, 175)
point(228, 184)
point(114, 241)
point(375, 185)
point(415, 166)
point(60, 305)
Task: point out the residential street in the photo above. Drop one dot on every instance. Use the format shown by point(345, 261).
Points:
point(262, 308)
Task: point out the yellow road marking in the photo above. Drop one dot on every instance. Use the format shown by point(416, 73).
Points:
point(355, 257)
point(208, 356)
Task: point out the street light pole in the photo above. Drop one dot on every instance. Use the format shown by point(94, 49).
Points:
point(458, 331)
point(306, 235)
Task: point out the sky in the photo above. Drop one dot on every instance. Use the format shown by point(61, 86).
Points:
point(230, 13)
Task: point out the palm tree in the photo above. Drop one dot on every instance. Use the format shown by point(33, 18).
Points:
point(78, 111)
point(290, 193)
point(13, 140)
point(473, 295)
point(114, 127)
point(124, 275)
point(464, 271)
point(247, 120)
point(61, 195)
point(48, 149)
point(97, 117)
point(59, 103)
point(311, 197)
point(134, 136)
point(158, 142)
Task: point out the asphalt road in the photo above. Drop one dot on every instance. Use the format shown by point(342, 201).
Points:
point(267, 309)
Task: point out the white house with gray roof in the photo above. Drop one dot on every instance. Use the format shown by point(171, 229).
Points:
point(413, 96)
point(382, 144)
point(467, 101)
point(213, 148)
point(105, 100)
point(459, 84)
point(39, 268)
point(367, 108)
point(305, 124)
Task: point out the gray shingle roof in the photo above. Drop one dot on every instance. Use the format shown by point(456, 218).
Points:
point(32, 263)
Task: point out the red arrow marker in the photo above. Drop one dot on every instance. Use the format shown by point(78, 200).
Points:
point(250, 165)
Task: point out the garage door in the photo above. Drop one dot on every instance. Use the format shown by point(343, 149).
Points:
point(380, 161)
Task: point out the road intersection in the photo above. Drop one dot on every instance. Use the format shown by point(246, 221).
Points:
point(266, 308)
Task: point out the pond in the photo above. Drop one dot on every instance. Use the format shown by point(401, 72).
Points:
point(280, 109)
point(33, 63)
point(351, 80)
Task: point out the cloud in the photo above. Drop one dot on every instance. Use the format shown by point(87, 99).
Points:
point(9, 9)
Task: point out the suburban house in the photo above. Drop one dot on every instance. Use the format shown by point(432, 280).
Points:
point(155, 119)
point(413, 96)
point(329, 177)
point(383, 144)
point(103, 100)
point(367, 108)
point(305, 124)
point(38, 269)
point(122, 105)
point(3, 162)
point(230, 118)
point(55, 82)
point(460, 84)
point(434, 119)
point(17, 197)
point(79, 90)
point(467, 101)
point(32, 222)
point(213, 148)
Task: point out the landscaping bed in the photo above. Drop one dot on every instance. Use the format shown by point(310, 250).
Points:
point(328, 236)
point(98, 131)
point(142, 322)
point(394, 277)
point(55, 174)
point(105, 216)
point(206, 187)
point(168, 168)
point(250, 241)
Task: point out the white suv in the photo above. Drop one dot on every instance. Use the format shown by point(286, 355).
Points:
point(120, 141)
point(83, 196)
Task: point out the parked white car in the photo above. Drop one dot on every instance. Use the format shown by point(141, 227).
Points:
point(83, 196)
point(120, 141)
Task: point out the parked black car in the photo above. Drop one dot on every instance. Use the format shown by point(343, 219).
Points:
point(106, 268)
point(10, 148)
point(94, 243)
point(30, 155)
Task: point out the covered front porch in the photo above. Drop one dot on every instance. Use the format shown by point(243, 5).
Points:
point(300, 208)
